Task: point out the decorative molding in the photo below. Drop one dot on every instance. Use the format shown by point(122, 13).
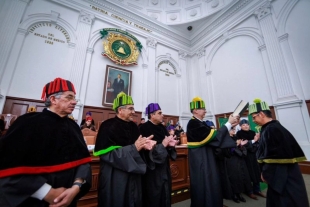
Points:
point(151, 42)
point(283, 37)
point(167, 31)
point(214, 3)
point(173, 2)
point(173, 17)
point(201, 52)
point(262, 47)
point(288, 104)
point(38, 18)
point(182, 55)
point(90, 50)
point(71, 45)
point(168, 56)
point(193, 12)
point(145, 66)
point(155, 2)
point(253, 33)
point(168, 60)
point(218, 20)
point(153, 15)
point(22, 31)
point(263, 11)
point(283, 16)
point(54, 17)
point(86, 18)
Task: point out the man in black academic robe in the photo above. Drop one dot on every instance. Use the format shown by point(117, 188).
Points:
point(157, 184)
point(43, 156)
point(121, 166)
point(278, 155)
point(202, 141)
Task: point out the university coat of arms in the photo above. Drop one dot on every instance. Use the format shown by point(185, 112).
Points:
point(120, 46)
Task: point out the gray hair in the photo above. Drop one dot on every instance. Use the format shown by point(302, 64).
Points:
point(120, 107)
point(48, 100)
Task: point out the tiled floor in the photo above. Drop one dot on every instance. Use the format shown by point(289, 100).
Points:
point(261, 202)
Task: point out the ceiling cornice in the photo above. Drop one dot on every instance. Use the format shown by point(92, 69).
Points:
point(172, 39)
point(224, 25)
point(146, 21)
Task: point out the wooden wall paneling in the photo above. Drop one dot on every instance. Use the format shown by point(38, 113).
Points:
point(100, 114)
point(245, 114)
point(167, 118)
point(19, 106)
point(308, 106)
point(90, 199)
point(180, 176)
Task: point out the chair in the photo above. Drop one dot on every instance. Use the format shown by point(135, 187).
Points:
point(90, 140)
point(88, 132)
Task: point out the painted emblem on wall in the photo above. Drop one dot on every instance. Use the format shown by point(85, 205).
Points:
point(120, 46)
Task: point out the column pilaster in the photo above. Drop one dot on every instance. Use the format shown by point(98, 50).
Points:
point(83, 32)
point(9, 27)
point(284, 90)
point(151, 72)
point(285, 86)
point(183, 86)
point(8, 74)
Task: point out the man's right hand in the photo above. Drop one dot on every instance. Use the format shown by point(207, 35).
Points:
point(145, 142)
point(233, 120)
point(52, 194)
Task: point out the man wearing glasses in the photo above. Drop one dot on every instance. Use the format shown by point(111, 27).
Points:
point(278, 155)
point(44, 160)
point(202, 140)
point(157, 182)
point(121, 167)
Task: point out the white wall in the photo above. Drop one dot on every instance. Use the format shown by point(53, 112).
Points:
point(241, 76)
point(298, 27)
point(40, 62)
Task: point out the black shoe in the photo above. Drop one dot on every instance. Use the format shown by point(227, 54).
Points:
point(235, 198)
point(241, 198)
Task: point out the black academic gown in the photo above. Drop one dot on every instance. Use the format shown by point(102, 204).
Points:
point(278, 155)
point(157, 181)
point(205, 184)
point(40, 148)
point(250, 159)
point(121, 166)
point(238, 172)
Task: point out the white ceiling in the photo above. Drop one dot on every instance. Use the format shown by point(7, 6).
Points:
point(179, 14)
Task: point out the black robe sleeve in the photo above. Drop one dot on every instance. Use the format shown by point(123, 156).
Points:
point(126, 158)
point(16, 189)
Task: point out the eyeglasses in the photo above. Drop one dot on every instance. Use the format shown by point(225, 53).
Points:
point(253, 117)
point(71, 98)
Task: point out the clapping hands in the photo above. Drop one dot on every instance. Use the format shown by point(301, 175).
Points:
point(145, 143)
point(170, 141)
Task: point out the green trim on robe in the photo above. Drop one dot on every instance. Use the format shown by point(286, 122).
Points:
point(104, 151)
point(283, 161)
point(208, 139)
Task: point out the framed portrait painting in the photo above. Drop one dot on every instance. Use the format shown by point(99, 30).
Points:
point(116, 80)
